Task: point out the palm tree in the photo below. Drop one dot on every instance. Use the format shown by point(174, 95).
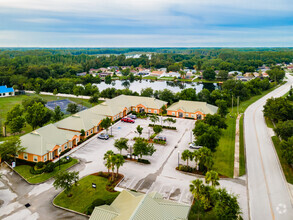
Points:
point(196, 157)
point(121, 144)
point(154, 119)
point(112, 162)
point(206, 158)
point(186, 155)
point(119, 162)
point(196, 188)
point(212, 177)
point(107, 157)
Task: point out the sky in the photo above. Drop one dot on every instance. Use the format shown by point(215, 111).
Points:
point(146, 23)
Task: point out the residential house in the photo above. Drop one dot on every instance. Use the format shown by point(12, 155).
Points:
point(157, 73)
point(233, 73)
point(6, 91)
point(81, 74)
point(139, 206)
point(191, 109)
point(170, 74)
point(47, 143)
point(104, 74)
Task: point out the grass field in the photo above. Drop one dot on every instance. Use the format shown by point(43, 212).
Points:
point(224, 155)
point(242, 153)
point(24, 171)
point(7, 103)
point(83, 194)
point(287, 169)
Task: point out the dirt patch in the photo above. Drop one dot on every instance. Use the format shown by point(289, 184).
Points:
point(111, 184)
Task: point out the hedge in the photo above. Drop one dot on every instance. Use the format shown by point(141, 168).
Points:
point(159, 142)
point(143, 161)
point(164, 126)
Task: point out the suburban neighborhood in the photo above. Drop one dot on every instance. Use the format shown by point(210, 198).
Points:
point(146, 110)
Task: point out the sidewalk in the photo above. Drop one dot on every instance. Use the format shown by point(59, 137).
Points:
point(237, 148)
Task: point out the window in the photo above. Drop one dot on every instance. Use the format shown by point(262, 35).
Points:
point(155, 111)
point(150, 111)
point(192, 116)
point(70, 144)
point(76, 141)
point(133, 109)
point(35, 158)
point(173, 113)
point(186, 115)
point(59, 150)
point(25, 156)
point(65, 146)
point(87, 133)
point(91, 131)
point(45, 158)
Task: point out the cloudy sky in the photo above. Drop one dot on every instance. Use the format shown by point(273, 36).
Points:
point(146, 23)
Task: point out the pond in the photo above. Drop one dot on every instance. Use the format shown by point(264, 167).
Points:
point(138, 85)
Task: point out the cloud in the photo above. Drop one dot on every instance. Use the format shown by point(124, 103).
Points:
point(146, 22)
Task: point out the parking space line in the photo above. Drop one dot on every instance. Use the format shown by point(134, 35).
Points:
point(128, 187)
point(150, 188)
point(139, 185)
point(170, 192)
point(181, 195)
point(161, 188)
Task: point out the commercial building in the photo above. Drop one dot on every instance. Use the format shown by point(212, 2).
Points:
point(191, 109)
point(137, 206)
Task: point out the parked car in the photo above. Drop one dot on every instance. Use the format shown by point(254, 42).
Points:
point(129, 120)
point(160, 138)
point(103, 136)
point(192, 145)
point(132, 116)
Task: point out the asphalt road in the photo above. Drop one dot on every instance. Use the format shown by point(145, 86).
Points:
point(268, 192)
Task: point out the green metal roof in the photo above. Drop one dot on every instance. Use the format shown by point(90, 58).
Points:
point(44, 139)
point(193, 106)
point(137, 206)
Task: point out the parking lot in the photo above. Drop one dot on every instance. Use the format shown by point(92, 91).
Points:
point(160, 175)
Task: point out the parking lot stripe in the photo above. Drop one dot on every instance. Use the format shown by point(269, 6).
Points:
point(181, 195)
point(139, 185)
point(160, 189)
point(170, 192)
point(128, 187)
point(150, 187)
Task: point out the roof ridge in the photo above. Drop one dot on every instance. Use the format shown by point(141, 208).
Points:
point(138, 207)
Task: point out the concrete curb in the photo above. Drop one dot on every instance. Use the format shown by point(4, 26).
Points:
point(69, 210)
point(43, 181)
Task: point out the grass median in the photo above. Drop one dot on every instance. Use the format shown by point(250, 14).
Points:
point(83, 195)
point(224, 155)
point(24, 171)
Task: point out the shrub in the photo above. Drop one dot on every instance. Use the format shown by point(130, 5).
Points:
point(135, 138)
point(64, 152)
point(97, 202)
point(143, 161)
point(50, 167)
point(159, 142)
point(153, 136)
point(164, 126)
point(81, 141)
point(40, 165)
point(35, 172)
point(185, 168)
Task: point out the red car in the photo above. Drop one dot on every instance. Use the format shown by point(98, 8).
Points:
point(129, 120)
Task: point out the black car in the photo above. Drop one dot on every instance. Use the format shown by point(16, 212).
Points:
point(103, 136)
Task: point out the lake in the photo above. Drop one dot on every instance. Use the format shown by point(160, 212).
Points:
point(138, 85)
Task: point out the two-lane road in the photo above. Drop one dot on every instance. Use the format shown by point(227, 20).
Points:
point(269, 196)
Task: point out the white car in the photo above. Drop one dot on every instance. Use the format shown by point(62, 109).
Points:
point(192, 145)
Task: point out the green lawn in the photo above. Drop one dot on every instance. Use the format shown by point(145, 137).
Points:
point(24, 171)
point(83, 195)
point(287, 169)
point(242, 154)
point(224, 155)
point(7, 103)
point(269, 123)
point(150, 77)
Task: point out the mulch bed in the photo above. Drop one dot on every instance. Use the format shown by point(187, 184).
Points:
point(200, 173)
point(109, 176)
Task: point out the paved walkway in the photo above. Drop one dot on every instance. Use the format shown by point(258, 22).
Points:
point(237, 148)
